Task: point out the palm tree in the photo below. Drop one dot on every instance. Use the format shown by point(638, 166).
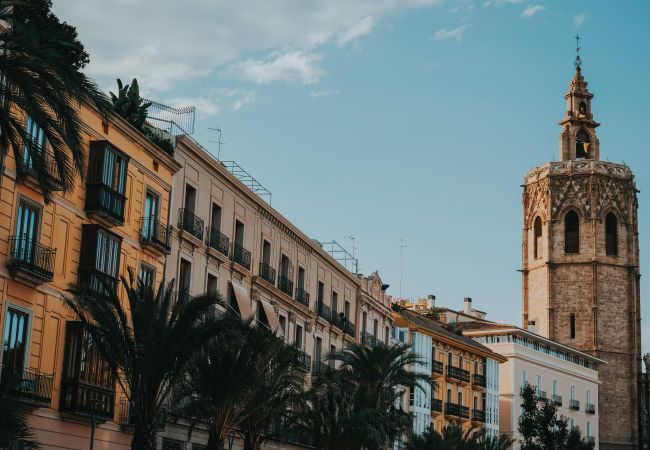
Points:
point(278, 390)
point(376, 373)
point(501, 442)
point(14, 431)
point(147, 344)
point(42, 85)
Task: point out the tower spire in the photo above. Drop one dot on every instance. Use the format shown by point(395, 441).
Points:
point(578, 62)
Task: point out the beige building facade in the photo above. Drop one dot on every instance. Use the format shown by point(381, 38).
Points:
point(581, 262)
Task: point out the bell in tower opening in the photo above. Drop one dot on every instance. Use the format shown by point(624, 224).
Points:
point(582, 144)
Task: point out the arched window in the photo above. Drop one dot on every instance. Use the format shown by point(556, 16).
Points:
point(582, 144)
point(460, 398)
point(449, 399)
point(572, 326)
point(537, 229)
point(571, 232)
point(611, 235)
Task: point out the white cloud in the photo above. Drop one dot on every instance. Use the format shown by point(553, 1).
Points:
point(501, 2)
point(172, 41)
point(325, 93)
point(578, 20)
point(357, 30)
point(456, 34)
point(246, 98)
point(203, 105)
point(532, 10)
point(290, 66)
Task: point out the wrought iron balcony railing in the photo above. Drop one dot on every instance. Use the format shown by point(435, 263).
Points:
point(320, 368)
point(31, 258)
point(323, 311)
point(457, 410)
point(349, 328)
point(37, 161)
point(97, 282)
point(436, 405)
point(590, 408)
point(155, 234)
point(28, 386)
point(127, 417)
point(267, 273)
point(303, 361)
point(458, 374)
point(83, 399)
point(574, 405)
point(478, 415)
point(106, 201)
point(436, 367)
point(302, 297)
point(541, 396)
point(241, 256)
point(285, 285)
point(478, 380)
point(368, 339)
point(218, 241)
point(557, 399)
point(188, 221)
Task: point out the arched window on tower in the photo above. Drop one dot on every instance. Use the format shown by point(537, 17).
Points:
point(571, 232)
point(611, 235)
point(572, 326)
point(537, 229)
point(582, 144)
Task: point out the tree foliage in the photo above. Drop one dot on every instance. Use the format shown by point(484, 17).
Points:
point(14, 430)
point(542, 428)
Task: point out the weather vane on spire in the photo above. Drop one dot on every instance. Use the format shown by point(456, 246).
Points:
point(578, 62)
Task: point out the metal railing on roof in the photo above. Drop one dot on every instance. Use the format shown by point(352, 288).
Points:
point(340, 254)
point(248, 180)
point(174, 121)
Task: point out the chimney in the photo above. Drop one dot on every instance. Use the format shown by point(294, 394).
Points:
point(431, 301)
point(468, 306)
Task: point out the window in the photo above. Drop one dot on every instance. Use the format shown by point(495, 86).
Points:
point(335, 302)
point(106, 182)
point(150, 216)
point(572, 392)
point(460, 362)
point(239, 233)
point(347, 310)
point(213, 285)
point(321, 293)
point(27, 232)
point(554, 388)
point(375, 328)
point(190, 199)
point(611, 235)
point(283, 325)
point(475, 402)
point(572, 326)
point(588, 429)
point(386, 335)
point(538, 385)
point(449, 399)
point(171, 444)
point(460, 398)
point(571, 232)
point(215, 217)
point(332, 363)
point(588, 395)
point(147, 275)
point(450, 359)
point(364, 321)
point(524, 379)
point(184, 278)
point(537, 229)
point(301, 278)
point(298, 338)
point(100, 258)
point(14, 341)
point(266, 252)
point(34, 143)
point(582, 144)
point(318, 350)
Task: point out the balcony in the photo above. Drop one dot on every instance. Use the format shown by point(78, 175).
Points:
point(303, 360)
point(541, 396)
point(28, 386)
point(478, 415)
point(323, 311)
point(36, 162)
point(267, 273)
point(190, 223)
point(557, 399)
point(320, 368)
point(97, 282)
point(241, 256)
point(82, 399)
point(105, 203)
point(218, 241)
point(452, 409)
point(285, 285)
point(574, 405)
point(457, 373)
point(436, 367)
point(478, 380)
point(155, 235)
point(349, 328)
point(368, 339)
point(436, 405)
point(30, 260)
point(590, 408)
point(302, 297)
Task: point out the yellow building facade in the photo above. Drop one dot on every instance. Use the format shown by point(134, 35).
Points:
point(115, 220)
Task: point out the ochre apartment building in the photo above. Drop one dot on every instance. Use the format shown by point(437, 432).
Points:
point(113, 221)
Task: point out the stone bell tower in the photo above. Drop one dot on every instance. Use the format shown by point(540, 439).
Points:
point(581, 263)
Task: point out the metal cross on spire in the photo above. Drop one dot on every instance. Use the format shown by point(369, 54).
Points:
point(578, 62)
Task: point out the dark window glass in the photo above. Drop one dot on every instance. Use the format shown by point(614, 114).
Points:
point(170, 444)
point(611, 235)
point(212, 284)
point(572, 326)
point(184, 277)
point(147, 275)
point(571, 232)
point(14, 342)
point(538, 237)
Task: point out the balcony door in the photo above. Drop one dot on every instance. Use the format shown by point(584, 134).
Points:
point(27, 223)
point(114, 175)
point(14, 342)
point(151, 202)
point(35, 142)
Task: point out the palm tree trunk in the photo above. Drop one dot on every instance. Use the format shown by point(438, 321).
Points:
point(144, 438)
point(214, 442)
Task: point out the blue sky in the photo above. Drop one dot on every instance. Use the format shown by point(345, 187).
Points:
point(386, 119)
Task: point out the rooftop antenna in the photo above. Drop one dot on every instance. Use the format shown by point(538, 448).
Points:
point(218, 141)
point(354, 254)
point(578, 62)
point(402, 246)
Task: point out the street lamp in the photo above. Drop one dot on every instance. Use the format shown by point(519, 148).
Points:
point(93, 421)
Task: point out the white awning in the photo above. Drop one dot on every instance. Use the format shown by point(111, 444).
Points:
point(243, 298)
point(271, 316)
